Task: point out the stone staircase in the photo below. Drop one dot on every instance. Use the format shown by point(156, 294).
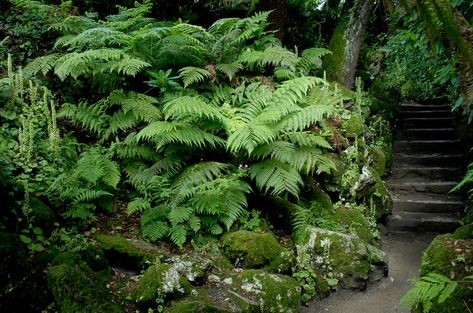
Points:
point(428, 161)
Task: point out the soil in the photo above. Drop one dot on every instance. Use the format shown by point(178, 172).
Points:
point(404, 250)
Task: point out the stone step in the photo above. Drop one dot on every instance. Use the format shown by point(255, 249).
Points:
point(429, 159)
point(429, 133)
point(439, 187)
point(425, 172)
point(416, 221)
point(425, 114)
point(428, 146)
point(401, 194)
point(428, 122)
point(426, 205)
point(424, 107)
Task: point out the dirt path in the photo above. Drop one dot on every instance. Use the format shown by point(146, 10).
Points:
point(404, 250)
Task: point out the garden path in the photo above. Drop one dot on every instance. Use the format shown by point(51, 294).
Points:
point(427, 163)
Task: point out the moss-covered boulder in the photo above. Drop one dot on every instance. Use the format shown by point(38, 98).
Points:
point(251, 250)
point(157, 282)
point(195, 268)
point(76, 288)
point(195, 305)
point(347, 259)
point(452, 258)
point(353, 221)
point(259, 291)
point(464, 232)
point(132, 250)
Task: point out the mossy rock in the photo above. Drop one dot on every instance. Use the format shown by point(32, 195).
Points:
point(157, 282)
point(353, 221)
point(259, 291)
point(137, 251)
point(351, 260)
point(251, 250)
point(195, 268)
point(194, 305)
point(452, 258)
point(353, 127)
point(464, 232)
point(378, 160)
point(76, 288)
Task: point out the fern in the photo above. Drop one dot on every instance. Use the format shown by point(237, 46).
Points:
point(426, 290)
point(191, 107)
point(41, 64)
point(275, 177)
point(191, 75)
point(164, 133)
point(105, 60)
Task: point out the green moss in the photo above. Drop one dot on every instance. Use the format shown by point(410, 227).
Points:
point(347, 258)
point(334, 63)
point(354, 126)
point(76, 288)
point(274, 293)
point(464, 232)
point(353, 221)
point(250, 250)
point(69, 258)
point(378, 158)
point(140, 251)
point(156, 282)
point(194, 305)
point(449, 256)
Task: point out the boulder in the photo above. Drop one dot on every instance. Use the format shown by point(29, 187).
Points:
point(195, 268)
point(452, 258)
point(252, 250)
point(340, 258)
point(259, 291)
point(158, 281)
point(131, 250)
point(76, 288)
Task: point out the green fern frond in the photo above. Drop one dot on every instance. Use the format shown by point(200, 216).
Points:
point(41, 64)
point(301, 119)
point(311, 58)
point(178, 234)
point(90, 195)
point(164, 133)
point(191, 107)
point(89, 117)
point(191, 75)
point(138, 205)
point(291, 92)
point(105, 60)
point(307, 139)
point(81, 211)
point(230, 69)
point(75, 24)
point(199, 173)
point(249, 136)
point(179, 214)
point(95, 38)
point(275, 177)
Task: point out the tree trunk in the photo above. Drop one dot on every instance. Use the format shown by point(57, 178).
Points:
point(278, 16)
point(346, 42)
